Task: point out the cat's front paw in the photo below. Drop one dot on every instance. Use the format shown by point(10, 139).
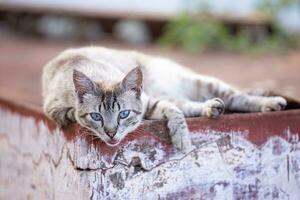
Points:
point(181, 139)
point(182, 142)
point(273, 104)
point(214, 107)
point(64, 117)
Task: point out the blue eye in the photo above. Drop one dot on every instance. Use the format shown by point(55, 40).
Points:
point(96, 116)
point(124, 114)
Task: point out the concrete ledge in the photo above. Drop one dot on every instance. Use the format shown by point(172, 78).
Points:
point(259, 126)
point(237, 156)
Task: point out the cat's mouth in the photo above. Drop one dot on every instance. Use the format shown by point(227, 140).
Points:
point(112, 142)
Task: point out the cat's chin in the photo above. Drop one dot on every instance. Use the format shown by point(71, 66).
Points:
point(112, 143)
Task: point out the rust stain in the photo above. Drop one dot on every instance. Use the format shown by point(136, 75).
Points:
point(259, 126)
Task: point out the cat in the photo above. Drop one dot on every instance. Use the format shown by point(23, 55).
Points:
point(111, 91)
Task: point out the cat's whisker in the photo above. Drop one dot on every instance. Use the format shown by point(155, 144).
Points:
point(93, 139)
point(83, 134)
point(91, 134)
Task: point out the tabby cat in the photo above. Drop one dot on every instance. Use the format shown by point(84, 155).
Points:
point(111, 91)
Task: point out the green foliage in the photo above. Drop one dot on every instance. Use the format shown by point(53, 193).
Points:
point(272, 7)
point(193, 35)
point(201, 33)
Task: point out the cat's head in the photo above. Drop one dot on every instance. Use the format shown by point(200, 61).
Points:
point(111, 113)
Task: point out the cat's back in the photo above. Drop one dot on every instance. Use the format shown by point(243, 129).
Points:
point(110, 65)
point(101, 58)
point(96, 62)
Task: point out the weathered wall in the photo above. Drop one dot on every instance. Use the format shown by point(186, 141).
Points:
point(37, 162)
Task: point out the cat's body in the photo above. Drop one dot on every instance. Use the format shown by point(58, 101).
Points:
point(89, 80)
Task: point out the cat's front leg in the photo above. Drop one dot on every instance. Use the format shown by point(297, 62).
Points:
point(176, 122)
point(63, 116)
point(59, 114)
point(211, 108)
point(214, 107)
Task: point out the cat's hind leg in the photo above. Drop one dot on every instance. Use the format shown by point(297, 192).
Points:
point(62, 115)
point(234, 99)
point(248, 103)
point(160, 109)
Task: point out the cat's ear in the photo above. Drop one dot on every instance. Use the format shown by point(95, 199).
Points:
point(83, 84)
point(133, 81)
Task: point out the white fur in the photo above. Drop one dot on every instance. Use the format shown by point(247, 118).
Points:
point(171, 89)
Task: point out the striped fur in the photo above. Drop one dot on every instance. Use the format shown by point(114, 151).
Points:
point(81, 81)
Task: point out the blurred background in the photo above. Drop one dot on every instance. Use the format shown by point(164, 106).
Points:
point(248, 43)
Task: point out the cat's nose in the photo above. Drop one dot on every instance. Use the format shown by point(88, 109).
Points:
point(110, 132)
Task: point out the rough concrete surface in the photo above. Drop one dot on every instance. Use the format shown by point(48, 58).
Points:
point(37, 162)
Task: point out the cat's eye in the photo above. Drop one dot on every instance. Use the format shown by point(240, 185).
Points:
point(124, 114)
point(96, 116)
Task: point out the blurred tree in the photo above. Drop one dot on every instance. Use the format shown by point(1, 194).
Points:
point(273, 7)
point(199, 31)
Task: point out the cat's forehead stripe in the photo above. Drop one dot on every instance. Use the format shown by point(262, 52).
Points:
point(109, 101)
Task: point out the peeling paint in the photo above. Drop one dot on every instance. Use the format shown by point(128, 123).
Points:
point(39, 163)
